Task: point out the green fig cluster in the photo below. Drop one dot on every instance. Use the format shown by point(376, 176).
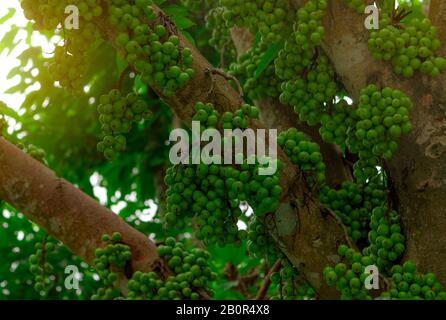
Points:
point(68, 66)
point(271, 18)
point(353, 203)
point(110, 262)
point(290, 284)
point(381, 117)
point(37, 153)
point(305, 154)
point(117, 113)
point(256, 84)
point(191, 278)
point(387, 243)
point(408, 284)
point(410, 46)
point(349, 277)
point(220, 38)
point(309, 94)
point(260, 243)
point(336, 122)
point(40, 267)
point(152, 49)
point(212, 193)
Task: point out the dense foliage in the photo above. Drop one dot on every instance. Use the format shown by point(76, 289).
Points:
point(107, 118)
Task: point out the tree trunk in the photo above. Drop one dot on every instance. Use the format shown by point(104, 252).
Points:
point(418, 169)
point(64, 211)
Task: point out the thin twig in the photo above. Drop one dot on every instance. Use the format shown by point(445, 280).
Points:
point(267, 282)
point(386, 282)
point(241, 283)
point(222, 53)
point(124, 73)
point(215, 71)
point(166, 21)
point(341, 224)
point(222, 57)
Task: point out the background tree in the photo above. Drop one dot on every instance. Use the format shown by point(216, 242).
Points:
point(361, 119)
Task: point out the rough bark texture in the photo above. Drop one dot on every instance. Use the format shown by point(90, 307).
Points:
point(437, 13)
point(418, 170)
point(64, 211)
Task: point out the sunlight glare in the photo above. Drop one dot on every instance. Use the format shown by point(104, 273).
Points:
point(8, 60)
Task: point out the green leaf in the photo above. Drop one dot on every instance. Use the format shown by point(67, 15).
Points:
point(7, 42)
point(21, 87)
point(386, 5)
point(9, 15)
point(8, 111)
point(182, 22)
point(417, 12)
point(30, 53)
point(14, 72)
point(29, 31)
point(175, 10)
point(30, 100)
point(257, 39)
point(267, 58)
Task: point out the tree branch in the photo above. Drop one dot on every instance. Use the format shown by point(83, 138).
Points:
point(64, 211)
point(266, 283)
